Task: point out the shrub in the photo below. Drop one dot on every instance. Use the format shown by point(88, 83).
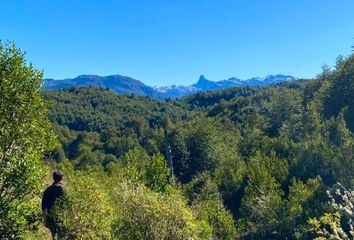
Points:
point(143, 214)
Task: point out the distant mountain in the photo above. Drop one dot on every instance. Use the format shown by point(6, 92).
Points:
point(117, 83)
point(126, 85)
point(175, 91)
point(204, 84)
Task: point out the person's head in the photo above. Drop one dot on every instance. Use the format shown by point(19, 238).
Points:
point(58, 176)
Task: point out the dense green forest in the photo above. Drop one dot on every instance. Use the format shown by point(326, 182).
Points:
point(272, 162)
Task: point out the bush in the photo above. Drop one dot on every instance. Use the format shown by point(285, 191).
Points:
point(86, 212)
point(143, 214)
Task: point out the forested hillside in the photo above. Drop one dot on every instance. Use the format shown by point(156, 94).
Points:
point(251, 162)
point(240, 163)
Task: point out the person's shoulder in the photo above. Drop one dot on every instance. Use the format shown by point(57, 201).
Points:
point(60, 187)
point(48, 190)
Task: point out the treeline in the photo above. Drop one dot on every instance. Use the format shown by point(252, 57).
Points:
point(241, 163)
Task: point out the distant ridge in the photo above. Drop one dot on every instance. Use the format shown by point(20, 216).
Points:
point(127, 85)
point(117, 83)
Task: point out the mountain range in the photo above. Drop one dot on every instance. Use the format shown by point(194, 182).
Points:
point(127, 85)
point(204, 84)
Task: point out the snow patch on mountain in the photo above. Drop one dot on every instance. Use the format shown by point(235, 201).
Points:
point(203, 84)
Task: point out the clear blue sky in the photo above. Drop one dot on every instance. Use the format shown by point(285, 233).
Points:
point(163, 42)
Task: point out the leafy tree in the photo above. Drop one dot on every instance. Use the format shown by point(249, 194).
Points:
point(262, 204)
point(179, 154)
point(207, 205)
point(134, 164)
point(284, 106)
point(214, 213)
point(201, 144)
point(300, 205)
point(24, 137)
point(138, 167)
point(157, 173)
point(339, 91)
point(230, 178)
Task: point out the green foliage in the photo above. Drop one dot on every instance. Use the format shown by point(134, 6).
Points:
point(213, 212)
point(24, 137)
point(157, 173)
point(338, 224)
point(97, 109)
point(285, 106)
point(134, 164)
point(206, 145)
point(143, 214)
point(208, 206)
point(270, 212)
point(339, 92)
point(260, 157)
point(86, 212)
point(329, 220)
point(262, 204)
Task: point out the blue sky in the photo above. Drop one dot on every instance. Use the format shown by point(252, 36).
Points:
point(163, 42)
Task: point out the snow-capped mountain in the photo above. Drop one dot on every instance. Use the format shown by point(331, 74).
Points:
point(177, 91)
point(126, 85)
point(204, 84)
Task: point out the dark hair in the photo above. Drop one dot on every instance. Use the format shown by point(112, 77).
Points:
point(58, 175)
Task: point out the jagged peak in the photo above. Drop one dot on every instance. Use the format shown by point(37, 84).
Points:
point(202, 78)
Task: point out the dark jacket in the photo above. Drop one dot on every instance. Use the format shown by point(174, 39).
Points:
point(51, 194)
